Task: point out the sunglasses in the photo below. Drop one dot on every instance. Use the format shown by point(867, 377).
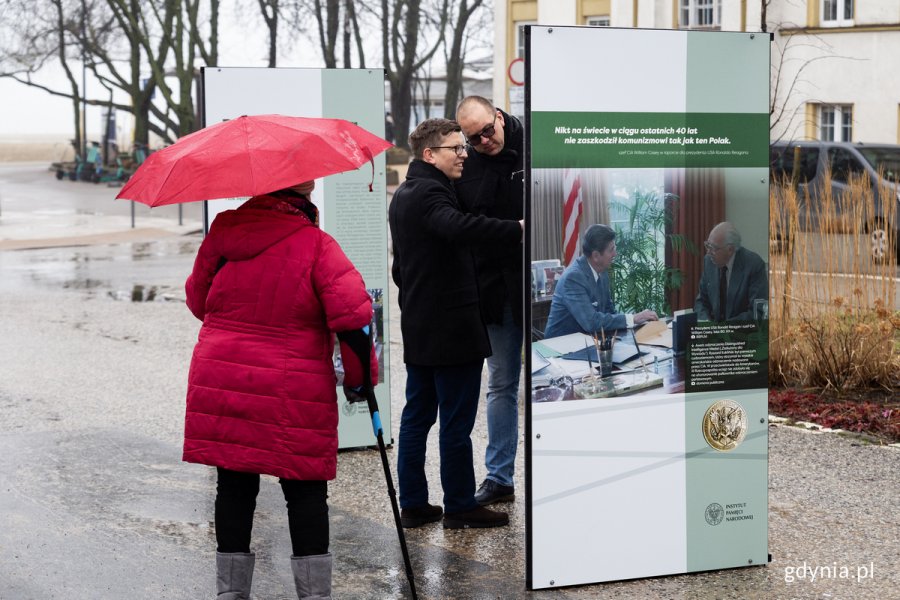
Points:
point(458, 149)
point(487, 132)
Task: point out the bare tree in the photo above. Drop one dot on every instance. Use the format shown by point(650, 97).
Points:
point(401, 22)
point(457, 54)
point(328, 29)
point(35, 35)
point(793, 53)
point(270, 10)
point(169, 37)
point(120, 40)
point(357, 37)
point(792, 56)
point(124, 40)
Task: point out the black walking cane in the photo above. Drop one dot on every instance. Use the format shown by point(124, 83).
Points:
point(361, 345)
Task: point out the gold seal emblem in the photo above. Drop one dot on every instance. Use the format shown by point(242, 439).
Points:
point(725, 425)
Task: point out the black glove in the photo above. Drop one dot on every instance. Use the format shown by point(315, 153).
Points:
point(357, 394)
point(359, 342)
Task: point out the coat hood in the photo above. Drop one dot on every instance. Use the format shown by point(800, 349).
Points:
point(246, 232)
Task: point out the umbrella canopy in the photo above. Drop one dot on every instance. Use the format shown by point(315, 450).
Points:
point(251, 155)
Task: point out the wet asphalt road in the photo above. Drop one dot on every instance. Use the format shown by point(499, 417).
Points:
point(96, 503)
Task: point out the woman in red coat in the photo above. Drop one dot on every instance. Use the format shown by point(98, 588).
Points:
point(271, 289)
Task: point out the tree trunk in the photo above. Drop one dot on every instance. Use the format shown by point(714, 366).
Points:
point(401, 108)
point(360, 52)
point(456, 59)
point(269, 10)
point(347, 34)
point(400, 39)
point(329, 23)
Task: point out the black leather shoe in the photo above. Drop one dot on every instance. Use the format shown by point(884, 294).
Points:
point(491, 491)
point(416, 517)
point(477, 517)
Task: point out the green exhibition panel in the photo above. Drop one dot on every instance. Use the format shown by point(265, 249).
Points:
point(660, 467)
point(355, 216)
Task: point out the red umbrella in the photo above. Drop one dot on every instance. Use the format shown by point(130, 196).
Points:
point(249, 156)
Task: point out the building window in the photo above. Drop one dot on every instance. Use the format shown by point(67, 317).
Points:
point(837, 13)
point(520, 37)
point(836, 123)
point(601, 21)
point(700, 14)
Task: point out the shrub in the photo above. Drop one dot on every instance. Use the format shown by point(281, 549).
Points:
point(830, 325)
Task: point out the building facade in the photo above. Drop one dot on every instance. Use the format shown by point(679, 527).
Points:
point(834, 62)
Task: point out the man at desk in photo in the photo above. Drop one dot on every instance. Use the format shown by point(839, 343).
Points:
point(733, 277)
point(582, 301)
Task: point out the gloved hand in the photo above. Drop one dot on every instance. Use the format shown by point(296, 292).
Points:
point(355, 394)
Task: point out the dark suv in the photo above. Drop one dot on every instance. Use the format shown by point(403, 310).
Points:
point(845, 161)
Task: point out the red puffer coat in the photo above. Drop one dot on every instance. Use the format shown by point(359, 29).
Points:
point(262, 389)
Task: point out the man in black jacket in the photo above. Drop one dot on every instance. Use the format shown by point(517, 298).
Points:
point(444, 337)
point(492, 185)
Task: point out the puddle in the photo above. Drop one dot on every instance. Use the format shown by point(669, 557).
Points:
point(139, 272)
point(83, 284)
point(144, 293)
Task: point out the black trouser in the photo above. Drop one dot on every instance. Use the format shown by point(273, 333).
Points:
point(236, 501)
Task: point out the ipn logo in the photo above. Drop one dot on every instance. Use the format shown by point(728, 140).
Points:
point(714, 513)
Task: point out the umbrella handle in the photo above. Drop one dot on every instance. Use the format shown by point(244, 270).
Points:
point(363, 354)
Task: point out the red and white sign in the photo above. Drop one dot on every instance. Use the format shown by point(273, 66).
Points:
point(516, 71)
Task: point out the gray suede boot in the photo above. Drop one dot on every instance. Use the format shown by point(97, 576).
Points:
point(312, 576)
point(234, 574)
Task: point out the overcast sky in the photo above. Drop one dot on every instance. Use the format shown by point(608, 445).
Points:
point(28, 111)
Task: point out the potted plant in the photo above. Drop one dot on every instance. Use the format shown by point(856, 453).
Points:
point(639, 276)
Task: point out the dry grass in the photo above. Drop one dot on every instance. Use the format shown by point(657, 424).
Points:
point(831, 320)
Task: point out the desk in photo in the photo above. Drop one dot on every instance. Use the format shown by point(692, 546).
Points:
point(555, 371)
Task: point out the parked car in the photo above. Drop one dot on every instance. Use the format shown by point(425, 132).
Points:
point(835, 165)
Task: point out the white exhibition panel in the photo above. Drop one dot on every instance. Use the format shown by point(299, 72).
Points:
point(642, 484)
point(233, 92)
point(609, 469)
point(346, 205)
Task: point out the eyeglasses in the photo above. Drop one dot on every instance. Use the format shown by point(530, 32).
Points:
point(712, 247)
point(459, 149)
point(487, 132)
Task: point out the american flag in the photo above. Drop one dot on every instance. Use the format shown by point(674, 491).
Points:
point(571, 213)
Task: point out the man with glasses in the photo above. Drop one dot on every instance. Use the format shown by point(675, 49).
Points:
point(733, 277)
point(444, 337)
point(492, 185)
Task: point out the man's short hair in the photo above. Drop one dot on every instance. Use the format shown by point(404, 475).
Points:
point(431, 132)
point(597, 237)
point(469, 100)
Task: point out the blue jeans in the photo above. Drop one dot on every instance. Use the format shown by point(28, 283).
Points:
point(450, 392)
point(504, 367)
